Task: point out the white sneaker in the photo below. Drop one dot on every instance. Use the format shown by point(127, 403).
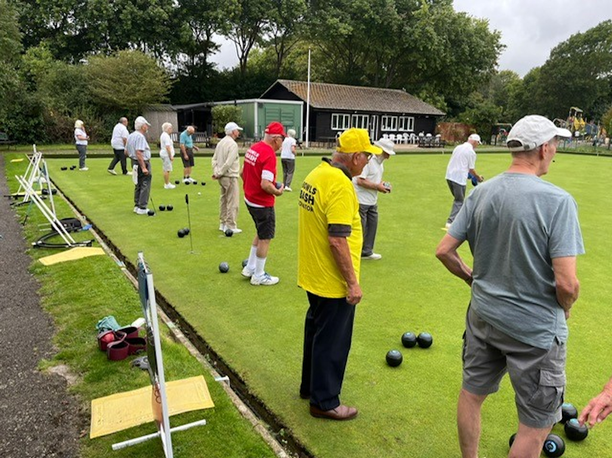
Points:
point(186, 180)
point(373, 257)
point(222, 227)
point(169, 186)
point(191, 180)
point(265, 280)
point(135, 209)
point(84, 169)
point(288, 189)
point(112, 172)
point(235, 230)
point(142, 211)
point(448, 225)
point(128, 173)
point(246, 272)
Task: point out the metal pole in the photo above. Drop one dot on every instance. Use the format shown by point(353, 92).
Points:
point(308, 106)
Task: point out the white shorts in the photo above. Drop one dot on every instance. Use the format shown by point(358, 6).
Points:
point(166, 164)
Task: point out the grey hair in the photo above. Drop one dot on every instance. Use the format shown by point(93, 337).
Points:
point(123, 119)
point(166, 126)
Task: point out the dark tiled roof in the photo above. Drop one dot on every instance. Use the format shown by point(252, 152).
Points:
point(339, 97)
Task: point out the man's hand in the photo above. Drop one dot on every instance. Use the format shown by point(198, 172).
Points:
point(145, 171)
point(598, 408)
point(354, 294)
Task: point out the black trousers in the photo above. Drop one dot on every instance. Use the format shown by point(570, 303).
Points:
point(119, 158)
point(328, 331)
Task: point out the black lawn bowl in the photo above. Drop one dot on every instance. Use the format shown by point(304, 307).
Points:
point(394, 358)
point(169, 208)
point(278, 185)
point(45, 191)
point(186, 231)
point(162, 208)
point(245, 262)
point(203, 183)
point(553, 446)
point(181, 233)
point(229, 232)
point(187, 182)
point(73, 167)
point(409, 340)
point(63, 168)
point(574, 431)
point(223, 267)
point(151, 213)
point(568, 411)
point(195, 182)
point(511, 441)
point(425, 340)
point(177, 181)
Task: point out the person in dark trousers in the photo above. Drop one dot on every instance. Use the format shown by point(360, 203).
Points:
point(139, 151)
point(118, 141)
point(329, 256)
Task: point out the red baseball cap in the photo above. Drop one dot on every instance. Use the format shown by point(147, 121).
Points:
point(275, 128)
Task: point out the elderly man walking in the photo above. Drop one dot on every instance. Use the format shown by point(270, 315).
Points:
point(367, 185)
point(329, 256)
point(260, 190)
point(140, 153)
point(187, 148)
point(226, 170)
point(524, 235)
point(462, 162)
point(118, 141)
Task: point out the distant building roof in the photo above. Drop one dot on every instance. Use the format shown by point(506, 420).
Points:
point(340, 97)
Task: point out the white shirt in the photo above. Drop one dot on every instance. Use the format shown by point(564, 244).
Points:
point(373, 171)
point(79, 133)
point(462, 160)
point(286, 151)
point(120, 132)
point(164, 141)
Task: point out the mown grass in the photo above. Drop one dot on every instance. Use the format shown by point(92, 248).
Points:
point(406, 411)
point(77, 294)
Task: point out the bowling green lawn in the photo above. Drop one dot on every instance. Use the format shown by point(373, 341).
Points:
point(404, 411)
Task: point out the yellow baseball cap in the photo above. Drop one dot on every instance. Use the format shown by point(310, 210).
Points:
point(356, 141)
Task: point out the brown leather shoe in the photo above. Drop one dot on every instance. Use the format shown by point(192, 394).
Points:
point(340, 413)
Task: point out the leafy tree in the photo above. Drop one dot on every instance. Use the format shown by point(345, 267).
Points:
point(246, 20)
point(10, 48)
point(282, 31)
point(75, 28)
point(482, 114)
point(577, 73)
point(127, 80)
point(222, 114)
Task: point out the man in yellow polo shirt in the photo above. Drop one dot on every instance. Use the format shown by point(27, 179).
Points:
point(329, 255)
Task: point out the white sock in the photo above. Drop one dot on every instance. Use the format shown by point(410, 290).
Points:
point(252, 258)
point(260, 265)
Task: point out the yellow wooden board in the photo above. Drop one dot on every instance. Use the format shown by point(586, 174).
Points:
point(71, 255)
point(17, 160)
point(124, 410)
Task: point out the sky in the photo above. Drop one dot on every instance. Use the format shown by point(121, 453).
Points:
point(529, 28)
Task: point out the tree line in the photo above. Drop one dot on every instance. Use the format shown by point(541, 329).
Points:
point(99, 59)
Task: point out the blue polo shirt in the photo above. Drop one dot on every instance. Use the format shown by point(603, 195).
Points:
point(186, 139)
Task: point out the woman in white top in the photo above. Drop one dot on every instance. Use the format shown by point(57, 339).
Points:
point(288, 158)
point(80, 139)
point(166, 153)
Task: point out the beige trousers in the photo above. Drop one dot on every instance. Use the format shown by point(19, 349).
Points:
point(228, 202)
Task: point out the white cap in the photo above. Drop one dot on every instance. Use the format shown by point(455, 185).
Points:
point(140, 121)
point(533, 131)
point(386, 145)
point(475, 137)
point(231, 127)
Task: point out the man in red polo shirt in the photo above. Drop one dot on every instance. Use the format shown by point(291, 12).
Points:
point(260, 189)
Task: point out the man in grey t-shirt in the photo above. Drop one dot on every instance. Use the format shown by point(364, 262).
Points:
point(139, 151)
point(524, 235)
